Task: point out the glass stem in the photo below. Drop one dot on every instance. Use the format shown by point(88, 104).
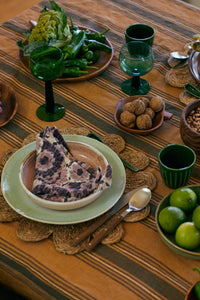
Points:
point(50, 105)
point(135, 82)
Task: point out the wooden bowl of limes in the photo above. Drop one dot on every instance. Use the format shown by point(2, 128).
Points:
point(170, 238)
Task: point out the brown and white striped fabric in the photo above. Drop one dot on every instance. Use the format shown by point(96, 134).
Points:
point(140, 266)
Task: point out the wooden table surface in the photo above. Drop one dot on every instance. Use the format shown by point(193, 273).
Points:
point(13, 7)
point(140, 266)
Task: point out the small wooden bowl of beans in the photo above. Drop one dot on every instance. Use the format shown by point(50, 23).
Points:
point(190, 125)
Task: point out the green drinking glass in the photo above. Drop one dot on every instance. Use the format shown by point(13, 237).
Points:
point(136, 59)
point(140, 32)
point(46, 63)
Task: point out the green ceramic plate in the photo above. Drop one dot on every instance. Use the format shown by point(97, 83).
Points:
point(168, 238)
point(19, 201)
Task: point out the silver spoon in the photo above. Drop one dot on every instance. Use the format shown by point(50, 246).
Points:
point(136, 203)
point(179, 55)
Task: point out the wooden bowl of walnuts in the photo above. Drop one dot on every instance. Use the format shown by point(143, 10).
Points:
point(190, 125)
point(141, 114)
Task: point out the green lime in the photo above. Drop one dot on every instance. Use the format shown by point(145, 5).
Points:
point(170, 218)
point(187, 236)
point(184, 198)
point(196, 217)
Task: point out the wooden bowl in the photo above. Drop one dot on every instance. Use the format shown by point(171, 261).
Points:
point(81, 152)
point(157, 121)
point(190, 295)
point(189, 136)
point(8, 103)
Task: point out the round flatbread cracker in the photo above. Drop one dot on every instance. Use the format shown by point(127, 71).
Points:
point(6, 155)
point(135, 180)
point(29, 139)
point(7, 214)
point(136, 158)
point(32, 231)
point(63, 236)
point(173, 61)
point(114, 236)
point(179, 77)
point(136, 216)
point(75, 130)
point(186, 98)
point(115, 142)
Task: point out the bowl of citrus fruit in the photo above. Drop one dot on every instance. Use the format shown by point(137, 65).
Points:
point(178, 221)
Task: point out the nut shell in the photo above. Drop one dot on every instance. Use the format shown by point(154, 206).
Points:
point(139, 107)
point(127, 119)
point(149, 111)
point(145, 100)
point(156, 103)
point(144, 121)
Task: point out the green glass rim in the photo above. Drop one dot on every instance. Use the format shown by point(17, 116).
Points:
point(191, 151)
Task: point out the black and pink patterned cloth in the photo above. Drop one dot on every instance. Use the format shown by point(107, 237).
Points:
point(59, 177)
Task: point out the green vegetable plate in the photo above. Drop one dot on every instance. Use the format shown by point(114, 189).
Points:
point(100, 66)
point(169, 239)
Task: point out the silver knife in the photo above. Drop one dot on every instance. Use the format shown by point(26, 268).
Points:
point(105, 217)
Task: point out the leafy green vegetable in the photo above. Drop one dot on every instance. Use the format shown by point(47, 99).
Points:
point(52, 29)
point(51, 25)
point(27, 49)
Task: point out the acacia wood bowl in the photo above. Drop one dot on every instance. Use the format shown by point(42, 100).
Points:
point(9, 103)
point(190, 137)
point(158, 120)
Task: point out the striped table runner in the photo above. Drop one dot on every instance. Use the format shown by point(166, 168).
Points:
point(140, 266)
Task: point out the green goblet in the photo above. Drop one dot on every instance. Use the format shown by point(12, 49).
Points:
point(46, 63)
point(136, 59)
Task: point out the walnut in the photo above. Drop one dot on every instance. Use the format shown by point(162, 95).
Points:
point(144, 122)
point(138, 107)
point(156, 103)
point(145, 100)
point(129, 106)
point(127, 119)
point(149, 111)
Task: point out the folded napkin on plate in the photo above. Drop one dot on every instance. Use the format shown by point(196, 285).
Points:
point(59, 177)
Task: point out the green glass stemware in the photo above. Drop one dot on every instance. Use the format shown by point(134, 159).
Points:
point(46, 63)
point(136, 59)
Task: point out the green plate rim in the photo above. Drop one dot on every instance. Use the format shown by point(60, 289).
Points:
point(19, 201)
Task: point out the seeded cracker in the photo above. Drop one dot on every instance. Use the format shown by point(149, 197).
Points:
point(136, 158)
point(114, 236)
point(179, 77)
point(64, 235)
point(75, 130)
point(29, 139)
point(6, 155)
point(31, 231)
point(7, 214)
point(135, 180)
point(136, 216)
point(186, 98)
point(115, 142)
